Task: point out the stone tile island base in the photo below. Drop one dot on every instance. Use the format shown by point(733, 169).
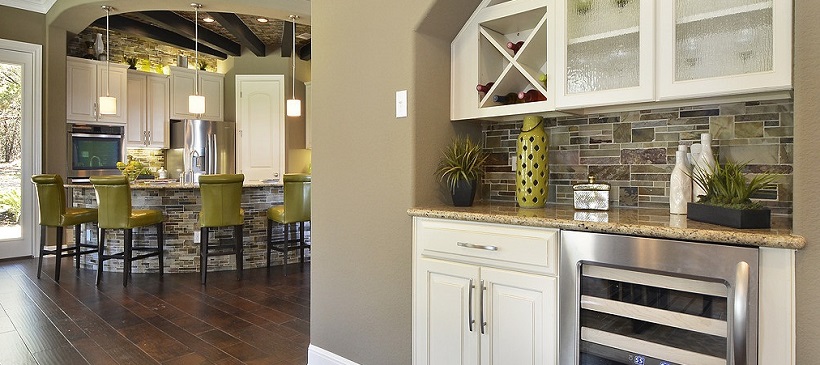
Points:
point(181, 205)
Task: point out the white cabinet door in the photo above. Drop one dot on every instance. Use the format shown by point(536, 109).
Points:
point(605, 53)
point(260, 115)
point(520, 311)
point(158, 122)
point(308, 121)
point(709, 48)
point(445, 305)
point(137, 118)
point(212, 87)
point(112, 80)
point(81, 90)
point(182, 86)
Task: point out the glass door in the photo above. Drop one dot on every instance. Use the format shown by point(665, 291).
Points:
point(19, 120)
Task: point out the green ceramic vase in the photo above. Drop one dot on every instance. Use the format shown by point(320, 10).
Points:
point(532, 171)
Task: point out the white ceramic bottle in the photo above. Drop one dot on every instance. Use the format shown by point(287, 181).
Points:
point(680, 184)
point(704, 163)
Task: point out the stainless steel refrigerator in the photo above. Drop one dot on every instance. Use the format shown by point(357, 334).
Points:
point(202, 147)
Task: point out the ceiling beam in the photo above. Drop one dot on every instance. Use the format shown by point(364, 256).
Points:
point(287, 38)
point(175, 23)
point(235, 26)
point(304, 52)
point(129, 26)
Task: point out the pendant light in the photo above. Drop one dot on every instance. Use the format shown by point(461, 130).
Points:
point(196, 102)
point(108, 104)
point(294, 105)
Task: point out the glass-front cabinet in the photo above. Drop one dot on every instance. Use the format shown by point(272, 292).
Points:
point(605, 52)
point(724, 47)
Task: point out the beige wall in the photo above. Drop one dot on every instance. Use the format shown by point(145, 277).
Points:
point(370, 167)
point(22, 25)
point(807, 176)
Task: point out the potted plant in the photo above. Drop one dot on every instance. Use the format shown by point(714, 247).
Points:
point(727, 201)
point(461, 165)
point(131, 61)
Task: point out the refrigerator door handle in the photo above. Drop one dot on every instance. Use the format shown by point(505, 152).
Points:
point(215, 165)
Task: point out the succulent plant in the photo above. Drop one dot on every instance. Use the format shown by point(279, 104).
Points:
point(727, 186)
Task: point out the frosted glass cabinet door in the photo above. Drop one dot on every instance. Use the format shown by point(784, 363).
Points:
point(605, 52)
point(724, 47)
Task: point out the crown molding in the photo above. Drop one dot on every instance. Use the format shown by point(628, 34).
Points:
point(40, 6)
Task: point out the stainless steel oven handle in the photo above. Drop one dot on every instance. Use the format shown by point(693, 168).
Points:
point(470, 319)
point(740, 318)
point(480, 247)
point(92, 135)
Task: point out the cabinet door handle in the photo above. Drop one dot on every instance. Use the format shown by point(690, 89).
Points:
point(481, 290)
point(148, 139)
point(480, 247)
point(470, 319)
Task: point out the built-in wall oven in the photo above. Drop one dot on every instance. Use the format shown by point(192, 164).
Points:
point(94, 150)
point(628, 300)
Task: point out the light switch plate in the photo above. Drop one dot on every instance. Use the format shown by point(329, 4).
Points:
point(401, 104)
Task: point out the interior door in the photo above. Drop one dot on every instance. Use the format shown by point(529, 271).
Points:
point(260, 121)
point(21, 109)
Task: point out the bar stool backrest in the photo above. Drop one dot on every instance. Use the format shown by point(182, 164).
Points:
point(297, 197)
point(221, 200)
point(51, 195)
point(113, 200)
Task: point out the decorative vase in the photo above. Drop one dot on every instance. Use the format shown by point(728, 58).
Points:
point(532, 170)
point(704, 162)
point(680, 184)
point(99, 46)
point(464, 193)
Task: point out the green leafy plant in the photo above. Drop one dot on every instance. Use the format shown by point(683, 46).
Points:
point(132, 168)
point(202, 65)
point(11, 203)
point(131, 61)
point(727, 186)
point(461, 160)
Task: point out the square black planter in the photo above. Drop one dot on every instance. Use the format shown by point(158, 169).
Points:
point(750, 218)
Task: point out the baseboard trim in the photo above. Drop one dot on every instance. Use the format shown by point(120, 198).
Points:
point(320, 356)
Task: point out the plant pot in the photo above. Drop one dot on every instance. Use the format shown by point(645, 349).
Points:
point(748, 218)
point(464, 193)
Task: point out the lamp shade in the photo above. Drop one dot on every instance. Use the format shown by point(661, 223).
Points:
point(294, 108)
point(196, 104)
point(108, 105)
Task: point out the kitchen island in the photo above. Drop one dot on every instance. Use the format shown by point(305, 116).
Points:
point(181, 204)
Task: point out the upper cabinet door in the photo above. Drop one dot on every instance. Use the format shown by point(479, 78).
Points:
point(605, 52)
point(505, 47)
point(81, 91)
point(710, 48)
point(113, 80)
point(211, 85)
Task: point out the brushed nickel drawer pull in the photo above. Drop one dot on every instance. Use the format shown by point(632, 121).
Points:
point(480, 247)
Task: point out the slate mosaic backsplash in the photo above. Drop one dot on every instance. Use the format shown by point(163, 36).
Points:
point(635, 151)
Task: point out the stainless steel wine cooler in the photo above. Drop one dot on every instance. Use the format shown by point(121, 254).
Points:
point(641, 301)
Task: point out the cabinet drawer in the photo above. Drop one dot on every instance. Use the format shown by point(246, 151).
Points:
point(496, 245)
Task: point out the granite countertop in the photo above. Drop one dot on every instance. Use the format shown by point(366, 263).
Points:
point(643, 222)
point(174, 184)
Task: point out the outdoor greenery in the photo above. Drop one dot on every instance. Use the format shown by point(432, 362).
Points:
point(10, 205)
point(461, 160)
point(10, 112)
point(727, 186)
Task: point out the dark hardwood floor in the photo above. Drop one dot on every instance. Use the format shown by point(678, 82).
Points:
point(262, 319)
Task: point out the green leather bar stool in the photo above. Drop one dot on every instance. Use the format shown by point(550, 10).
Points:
point(54, 213)
point(296, 209)
point(115, 212)
point(221, 200)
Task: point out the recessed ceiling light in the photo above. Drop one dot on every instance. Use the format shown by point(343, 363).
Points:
point(208, 19)
point(261, 20)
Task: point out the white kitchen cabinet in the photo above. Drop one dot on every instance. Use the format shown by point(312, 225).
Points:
point(484, 293)
point(308, 112)
point(86, 81)
point(709, 48)
point(211, 86)
point(480, 56)
point(148, 110)
point(604, 52)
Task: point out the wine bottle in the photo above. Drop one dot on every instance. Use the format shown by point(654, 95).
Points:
point(542, 78)
point(484, 88)
point(515, 46)
point(510, 98)
point(531, 95)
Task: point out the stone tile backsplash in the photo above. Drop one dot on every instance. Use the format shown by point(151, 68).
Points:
point(635, 151)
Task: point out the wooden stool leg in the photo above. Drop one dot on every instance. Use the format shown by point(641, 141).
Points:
point(285, 245)
point(43, 231)
point(238, 235)
point(203, 256)
point(161, 246)
point(77, 237)
point(59, 252)
point(126, 256)
point(302, 246)
point(100, 253)
point(268, 243)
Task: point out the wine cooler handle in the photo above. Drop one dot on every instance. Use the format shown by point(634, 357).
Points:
point(741, 313)
point(470, 319)
point(482, 323)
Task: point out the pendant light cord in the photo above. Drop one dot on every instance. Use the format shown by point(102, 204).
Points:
point(107, 53)
point(196, 47)
point(293, 57)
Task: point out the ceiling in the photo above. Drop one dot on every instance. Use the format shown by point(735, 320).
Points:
point(227, 35)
